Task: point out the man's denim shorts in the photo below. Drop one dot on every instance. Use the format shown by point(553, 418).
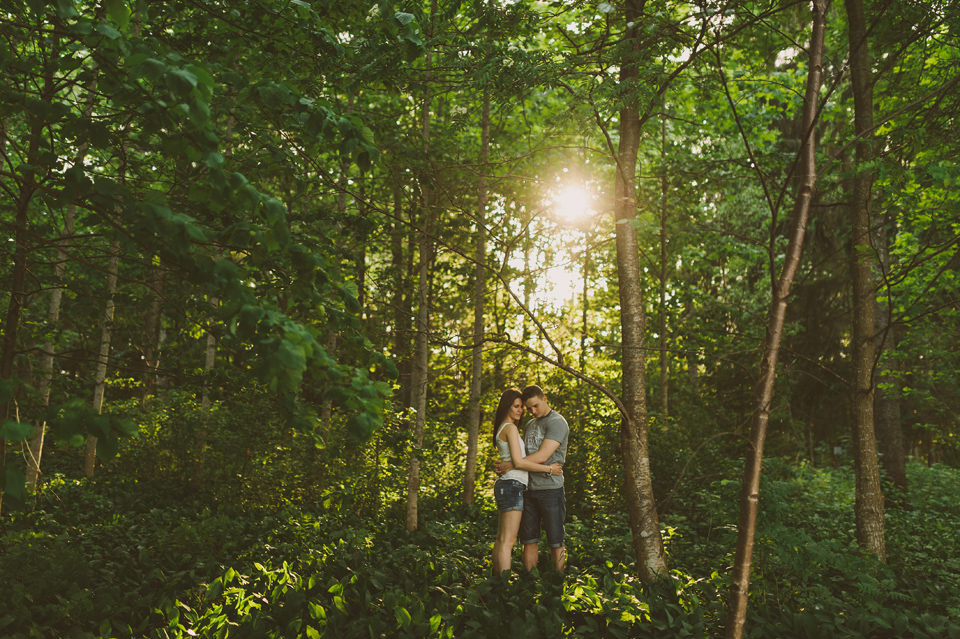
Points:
point(543, 510)
point(509, 494)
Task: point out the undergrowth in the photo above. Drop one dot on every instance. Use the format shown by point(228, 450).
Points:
point(134, 560)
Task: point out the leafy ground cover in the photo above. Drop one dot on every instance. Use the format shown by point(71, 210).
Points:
point(135, 560)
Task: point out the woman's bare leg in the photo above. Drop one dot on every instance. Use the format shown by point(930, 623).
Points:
point(508, 524)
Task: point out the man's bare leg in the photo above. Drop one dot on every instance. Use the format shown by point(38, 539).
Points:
point(559, 557)
point(530, 552)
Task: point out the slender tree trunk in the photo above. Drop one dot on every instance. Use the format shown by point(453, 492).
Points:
point(887, 404)
point(662, 310)
point(584, 328)
point(35, 446)
point(693, 360)
point(750, 491)
point(869, 496)
point(151, 329)
point(422, 344)
point(103, 355)
point(18, 293)
point(887, 394)
point(209, 362)
point(401, 299)
point(480, 285)
point(644, 522)
point(527, 293)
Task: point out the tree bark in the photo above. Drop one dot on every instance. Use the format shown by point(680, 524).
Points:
point(479, 290)
point(401, 300)
point(103, 355)
point(869, 496)
point(151, 328)
point(887, 403)
point(422, 345)
point(18, 294)
point(662, 310)
point(750, 491)
point(887, 394)
point(644, 522)
point(35, 446)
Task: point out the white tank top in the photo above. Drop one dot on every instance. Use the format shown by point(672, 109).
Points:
point(504, 448)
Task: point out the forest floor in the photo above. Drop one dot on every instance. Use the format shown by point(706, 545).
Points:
point(119, 559)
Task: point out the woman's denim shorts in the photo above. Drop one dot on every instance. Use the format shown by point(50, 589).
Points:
point(509, 494)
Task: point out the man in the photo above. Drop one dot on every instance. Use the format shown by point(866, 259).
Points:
point(544, 502)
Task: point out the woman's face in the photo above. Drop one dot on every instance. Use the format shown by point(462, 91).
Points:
point(516, 411)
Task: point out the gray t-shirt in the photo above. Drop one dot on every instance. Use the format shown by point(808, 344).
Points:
point(550, 426)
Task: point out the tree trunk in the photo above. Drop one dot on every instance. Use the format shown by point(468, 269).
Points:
point(209, 361)
point(750, 491)
point(662, 312)
point(887, 404)
point(18, 294)
point(887, 394)
point(35, 446)
point(103, 355)
point(401, 300)
point(422, 345)
point(151, 328)
point(869, 496)
point(584, 327)
point(647, 541)
point(480, 285)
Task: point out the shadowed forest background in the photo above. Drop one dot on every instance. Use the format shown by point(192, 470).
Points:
point(268, 265)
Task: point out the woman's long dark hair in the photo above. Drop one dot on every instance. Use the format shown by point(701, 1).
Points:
point(506, 401)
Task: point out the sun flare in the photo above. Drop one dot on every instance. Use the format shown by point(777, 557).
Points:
point(572, 203)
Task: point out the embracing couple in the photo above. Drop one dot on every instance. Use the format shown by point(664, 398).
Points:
point(529, 492)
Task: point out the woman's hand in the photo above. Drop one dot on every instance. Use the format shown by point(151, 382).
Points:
point(556, 468)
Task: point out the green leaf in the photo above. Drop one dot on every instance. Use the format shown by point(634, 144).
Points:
point(118, 12)
point(14, 485)
point(66, 9)
point(13, 431)
point(404, 18)
point(403, 617)
point(106, 30)
point(214, 589)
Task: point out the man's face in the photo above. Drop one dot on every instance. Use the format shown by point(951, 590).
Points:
point(537, 406)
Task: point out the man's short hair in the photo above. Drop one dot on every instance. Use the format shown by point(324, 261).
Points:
point(531, 391)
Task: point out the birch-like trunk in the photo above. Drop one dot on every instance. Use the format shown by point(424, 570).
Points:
point(750, 490)
point(103, 354)
point(152, 333)
point(400, 296)
point(35, 445)
point(868, 508)
point(421, 356)
point(662, 310)
point(644, 522)
point(479, 290)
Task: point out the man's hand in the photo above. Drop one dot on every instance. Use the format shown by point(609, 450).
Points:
point(500, 467)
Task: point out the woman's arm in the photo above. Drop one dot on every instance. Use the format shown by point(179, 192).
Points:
point(547, 447)
point(513, 439)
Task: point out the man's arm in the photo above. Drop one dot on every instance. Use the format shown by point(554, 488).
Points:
point(547, 448)
point(542, 454)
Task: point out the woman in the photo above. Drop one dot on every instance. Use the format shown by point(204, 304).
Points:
point(508, 491)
